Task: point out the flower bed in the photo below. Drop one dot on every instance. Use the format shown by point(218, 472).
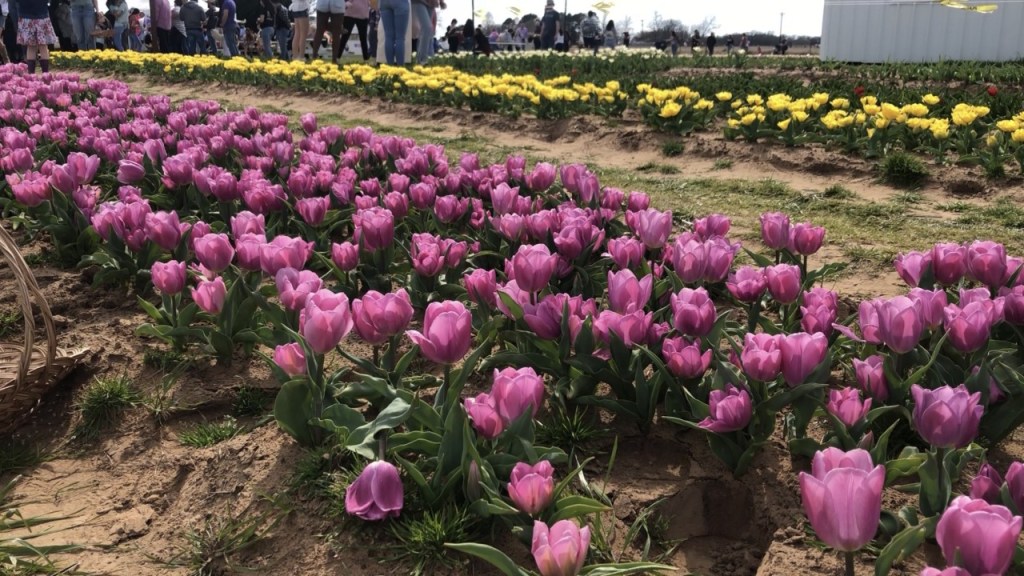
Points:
point(239, 238)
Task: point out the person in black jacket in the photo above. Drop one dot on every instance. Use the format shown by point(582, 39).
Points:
point(4, 58)
point(35, 33)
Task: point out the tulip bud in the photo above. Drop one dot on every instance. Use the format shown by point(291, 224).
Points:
point(987, 484)
point(209, 295)
point(169, 277)
point(729, 410)
point(626, 294)
point(481, 287)
point(532, 488)
point(377, 317)
point(684, 358)
point(517, 391)
point(802, 354)
point(805, 239)
point(483, 413)
point(949, 262)
point(447, 332)
point(561, 549)
point(626, 252)
point(784, 282)
point(533, 266)
point(775, 230)
point(946, 417)
point(326, 320)
point(913, 266)
point(842, 497)
point(290, 358)
point(693, 312)
point(761, 359)
point(376, 494)
point(747, 284)
point(214, 251)
point(900, 323)
point(652, 227)
point(345, 256)
point(847, 406)
point(870, 374)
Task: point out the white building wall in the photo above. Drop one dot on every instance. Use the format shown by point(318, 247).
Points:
point(920, 31)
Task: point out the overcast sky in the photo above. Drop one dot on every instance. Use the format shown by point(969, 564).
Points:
point(802, 17)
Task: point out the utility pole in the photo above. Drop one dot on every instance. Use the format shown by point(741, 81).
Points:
point(781, 15)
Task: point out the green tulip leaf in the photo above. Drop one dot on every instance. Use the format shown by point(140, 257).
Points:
point(294, 409)
point(625, 568)
point(576, 507)
point(491, 555)
point(903, 545)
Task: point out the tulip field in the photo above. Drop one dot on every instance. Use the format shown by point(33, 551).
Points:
point(327, 350)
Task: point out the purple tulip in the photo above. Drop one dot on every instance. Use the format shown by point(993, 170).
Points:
point(284, 252)
point(870, 374)
point(325, 320)
point(693, 312)
point(805, 239)
point(747, 284)
point(978, 536)
point(561, 549)
point(516, 391)
point(868, 320)
point(247, 250)
point(345, 256)
point(209, 295)
point(483, 412)
point(761, 358)
point(949, 262)
point(946, 417)
point(729, 410)
point(986, 262)
point(1015, 484)
point(720, 255)
point(482, 287)
point(308, 123)
point(427, 253)
point(689, 257)
point(626, 294)
point(214, 251)
point(1013, 305)
point(969, 327)
point(541, 178)
point(951, 571)
point(422, 195)
point(447, 332)
point(775, 230)
point(378, 317)
point(912, 267)
point(651, 227)
point(376, 494)
point(987, 484)
point(900, 323)
point(533, 265)
point(169, 277)
point(932, 304)
point(375, 228)
point(637, 201)
point(802, 354)
point(784, 282)
point(294, 287)
point(842, 497)
point(711, 226)
point(448, 209)
point(684, 358)
point(246, 222)
point(313, 210)
point(290, 358)
point(164, 229)
point(177, 171)
point(846, 405)
point(129, 172)
point(532, 488)
point(626, 252)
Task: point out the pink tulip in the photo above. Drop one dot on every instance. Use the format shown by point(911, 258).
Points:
point(533, 265)
point(842, 497)
point(308, 123)
point(517, 391)
point(689, 258)
point(129, 172)
point(949, 262)
point(313, 210)
point(169, 277)
point(761, 358)
point(325, 320)
point(651, 227)
point(900, 323)
point(729, 410)
point(912, 267)
point(987, 485)
point(775, 230)
point(290, 358)
point(627, 294)
point(209, 295)
point(1013, 305)
point(378, 317)
point(711, 226)
point(868, 319)
point(1015, 484)
point(511, 290)
point(1014, 271)
point(246, 222)
point(747, 284)
point(637, 201)
point(164, 229)
point(376, 228)
point(214, 251)
point(561, 549)
point(532, 488)
point(482, 287)
point(693, 312)
point(969, 327)
point(448, 209)
point(978, 536)
point(684, 358)
point(870, 374)
point(427, 255)
point(784, 282)
point(284, 252)
point(345, 256)
point(626, 252)
point(447, 332)
point(805, 239)
point(294, 287)
point(541, 178)
point(247, 250)
point(720, 255)
point(951, 571)
point(545, 319)
point(177, 171)
point(846, 405)
point(802, 354)
point(483, 412)
point(932, 304)
point(946, 417)
point(422, 195)
point(376, 494)
point(986, 262)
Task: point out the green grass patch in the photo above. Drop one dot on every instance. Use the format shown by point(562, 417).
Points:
point(653, 167)
point(903, 170)
point(209, 433)
point(210, 547)
point(18, 455)
point(103, 403)
point(673, 148)
point(722, 164)
point(422, 539)
point(251, 401)
point(838, 192)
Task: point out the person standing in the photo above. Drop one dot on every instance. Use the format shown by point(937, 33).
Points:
point(178, 33)
point(212, 23)
point(454, 37)
point(422, 10)
point(4, 58)
point(394, 15)
point(266, 23)
point(330, 15)
point(83, 21)
point(522, 33)
point(744, 43)
point(135, 30)
point(372, 24)
point(282, 30)
point(193, 17)
point(550, 26)
point(591, 29)
point(298, 11)
point(729, 43)
point(35, 33)
point(611, 37)
point(60, 17)
point(711, 42)
point(162, 19)
point(357, 15)
point(119, 8)
point(229, 24)
point(675, 43)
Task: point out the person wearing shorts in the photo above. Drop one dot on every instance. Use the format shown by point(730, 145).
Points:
point(298, 11)
point(35, 33)
point(330, 15)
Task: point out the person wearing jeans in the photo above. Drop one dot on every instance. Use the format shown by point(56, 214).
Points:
point(421, 11)
point(394, 16)
point(83, 20)
point(119, 8)
point(282, 29)
point(266, 21)
point(230, 26)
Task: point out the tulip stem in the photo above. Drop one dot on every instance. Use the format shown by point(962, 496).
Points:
point(849, 564)
point(382, 446)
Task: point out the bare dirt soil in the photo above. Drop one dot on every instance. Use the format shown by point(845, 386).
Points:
point(136, 490)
